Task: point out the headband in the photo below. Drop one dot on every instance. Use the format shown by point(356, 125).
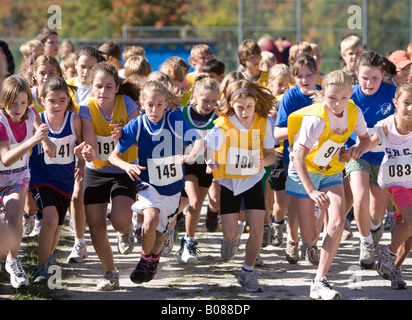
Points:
point(242, 90)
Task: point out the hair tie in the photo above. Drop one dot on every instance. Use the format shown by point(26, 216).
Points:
point(242, 90)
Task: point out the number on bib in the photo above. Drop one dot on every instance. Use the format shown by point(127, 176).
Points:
point(105, 146)
point(326, 153)
point(164, 171)
point(64, 150)
point(241, 161)
point(398, 170)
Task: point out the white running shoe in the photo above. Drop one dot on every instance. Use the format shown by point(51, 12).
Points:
point(28, 224)
point(188, 252)
point(18, 277)
point(321, 290)
point(78, 254)
point(248, 281)
point(125, 241)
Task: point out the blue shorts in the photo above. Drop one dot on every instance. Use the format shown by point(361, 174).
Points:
point(295, 188)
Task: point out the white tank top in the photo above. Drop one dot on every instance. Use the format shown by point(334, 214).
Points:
point(20, 169)
point(396, 166)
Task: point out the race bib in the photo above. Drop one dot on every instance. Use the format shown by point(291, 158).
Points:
point(164, 171)
point(18, 164)
point(241, 161)
point(64, 150)
point(105, 146)
point(398, 170)
point(326, 153)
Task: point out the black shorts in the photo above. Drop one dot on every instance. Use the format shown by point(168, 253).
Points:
point(199, 170)
point(277, 177)
point(99, 187)
point(47, 196)
point(254, 198)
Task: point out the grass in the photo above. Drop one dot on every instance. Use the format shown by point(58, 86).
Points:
point(28, 257)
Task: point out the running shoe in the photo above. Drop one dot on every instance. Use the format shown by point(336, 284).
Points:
point(188, 252)
point(109, 282)
point(248, 281)
point(292, 252)
point(386, 261)
point(321, 290)
point(18, 277)
point(125, 241)
point(78, 254)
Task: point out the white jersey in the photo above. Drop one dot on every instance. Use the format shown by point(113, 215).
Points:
point(20, 169)
point(396, 166)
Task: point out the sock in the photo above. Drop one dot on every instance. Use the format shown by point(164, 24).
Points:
point(155, 257)
point(390, 252)
point(374, 227)
point(212, 211)
point(246, 268)
point(79, 241)
point(188, 238)
point(367, 239)
point(146, 258)
point(278, 222)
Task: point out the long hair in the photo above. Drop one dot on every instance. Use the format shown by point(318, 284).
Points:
point(263, 97)
point(203, 84)
point(12, 86)
point(156, 86)
point(372, 59)
point(42, 60)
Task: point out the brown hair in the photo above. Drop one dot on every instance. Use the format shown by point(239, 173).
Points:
point(248, 48)
point(12, 86)
point(46, 59)
point(299, 48)
point(301, 61)
point(263, 97)
point(58, 84)
point(137, 65)
point(402, 87)
point(374, 60)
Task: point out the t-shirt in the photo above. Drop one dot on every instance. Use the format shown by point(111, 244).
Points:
point(374, 107)
point(159, 145)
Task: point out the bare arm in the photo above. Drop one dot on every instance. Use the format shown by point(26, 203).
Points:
point(281, 133)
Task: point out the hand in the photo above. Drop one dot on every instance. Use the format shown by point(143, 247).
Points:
point(41, 132)
point(49, 148)
point(85, 151)
point(320, 198)
point(186, 158)
point(355, 152)
point(134, 170)
point(117, 131)
point(210, 167)
point(344, 155)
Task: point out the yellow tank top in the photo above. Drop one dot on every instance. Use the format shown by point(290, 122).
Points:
point(72, 93)
point(323, 158)
point(236, 154)
point(104, 143)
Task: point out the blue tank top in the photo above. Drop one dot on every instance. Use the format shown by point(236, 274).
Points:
point(58, 172)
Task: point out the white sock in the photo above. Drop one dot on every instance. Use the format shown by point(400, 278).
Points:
point(367, 239)
point(246, 268)
point(79, 241)
point(374, 227)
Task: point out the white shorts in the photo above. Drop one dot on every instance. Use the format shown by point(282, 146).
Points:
point(148, 197)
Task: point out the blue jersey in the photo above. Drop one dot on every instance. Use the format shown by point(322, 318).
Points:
point(58, 172)
point(292, 101)
point(159, 146)
point(374, 107)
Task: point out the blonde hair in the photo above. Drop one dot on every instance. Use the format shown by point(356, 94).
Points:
point(137, 65)
point(268, 56)
point(199, 50)
point(402, 87)
point(350, 42)
point(278, 69)
point(337, 78)
point(167, 82)
point(201, 85)
point(173, 69)
point(26, 47)
point(228, 79)
point(130, 51)
point(158, 87)
point(12, 86)
point(262, 95)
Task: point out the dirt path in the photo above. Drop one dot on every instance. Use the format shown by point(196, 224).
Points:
point(213, 279)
